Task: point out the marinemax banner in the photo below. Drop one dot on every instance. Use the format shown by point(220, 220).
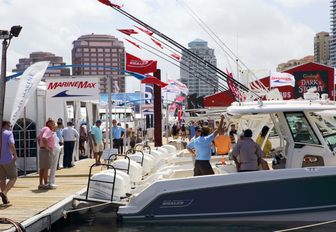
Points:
point(74, 88)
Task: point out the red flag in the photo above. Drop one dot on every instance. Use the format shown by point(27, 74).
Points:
point(180, 99)
point(108, 3)
point(157, 43)
point(239, 96)
point(135, 64)
point(172, 107)
point(148, 32)
point(177, 57)
point(137, 45)
point(153, 80)
point(179, 113)
point(128, 31)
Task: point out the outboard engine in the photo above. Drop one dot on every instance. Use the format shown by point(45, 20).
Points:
point(146, 161)
point(100, 190)
point(164, 151)
point(157, 154)
point(171, 149)
point(135, 169)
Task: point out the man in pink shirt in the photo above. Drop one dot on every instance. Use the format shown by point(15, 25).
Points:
point(45, 140)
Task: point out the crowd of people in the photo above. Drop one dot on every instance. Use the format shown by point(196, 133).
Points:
point(246, 153)
point(56, 148)
point(56, 144)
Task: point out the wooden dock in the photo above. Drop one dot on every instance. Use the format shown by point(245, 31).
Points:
point(37, 209)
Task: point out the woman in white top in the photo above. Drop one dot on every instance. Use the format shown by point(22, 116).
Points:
point(55, 156)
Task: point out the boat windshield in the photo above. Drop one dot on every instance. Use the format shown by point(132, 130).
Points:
point(301, 130)
point(327, 127)
point(331, 141)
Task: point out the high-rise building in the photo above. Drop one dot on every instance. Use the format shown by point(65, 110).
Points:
point(321, 48)
point(100, 50)
point(333, 33)
point(43, 56)
point(294, 62)
point(193, 72)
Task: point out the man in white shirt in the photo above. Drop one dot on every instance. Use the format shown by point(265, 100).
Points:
point(70, 136)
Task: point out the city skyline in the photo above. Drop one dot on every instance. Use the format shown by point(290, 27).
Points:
point(255, 30)
point(194, 74)
point(101, 50)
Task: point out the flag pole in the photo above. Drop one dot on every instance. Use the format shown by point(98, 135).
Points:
point(125, 140)
point(223, 75)
point(167, 111)
point(334, 84)
point(158, 112)
point(109, 131)
point(270, 86)
point(140, 108)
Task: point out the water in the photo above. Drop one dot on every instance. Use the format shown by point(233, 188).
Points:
point(90, 222)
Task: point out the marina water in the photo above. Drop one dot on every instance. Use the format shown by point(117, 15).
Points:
point(90, 222)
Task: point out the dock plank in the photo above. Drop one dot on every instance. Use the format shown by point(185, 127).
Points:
point(27, 201)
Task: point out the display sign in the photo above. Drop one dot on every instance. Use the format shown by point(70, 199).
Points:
point(281, 79)
point(71, 89)
point(308, 79)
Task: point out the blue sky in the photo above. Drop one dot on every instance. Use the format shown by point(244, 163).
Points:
point(263, 33)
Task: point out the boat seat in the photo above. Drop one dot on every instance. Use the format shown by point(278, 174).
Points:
point(226, 168)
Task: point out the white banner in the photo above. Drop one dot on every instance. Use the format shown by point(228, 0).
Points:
point(73, 88)
point(28, 83)
point(175, 86)
point(281, 79)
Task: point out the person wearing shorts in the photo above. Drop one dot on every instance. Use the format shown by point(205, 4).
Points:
point(97, 138)
point(200, 147)
point(8, 157)
point(45, 140)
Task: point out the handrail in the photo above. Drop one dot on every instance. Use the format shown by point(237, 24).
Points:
point(115, 158)
point(134, 150)
point(144, 145)
point(89, 179)
point(18, 226)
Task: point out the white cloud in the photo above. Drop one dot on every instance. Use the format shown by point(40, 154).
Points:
point(298, 3)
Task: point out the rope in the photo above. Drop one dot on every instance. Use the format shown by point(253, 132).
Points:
point(65, 212)
point(17, 225)
point(306, 226)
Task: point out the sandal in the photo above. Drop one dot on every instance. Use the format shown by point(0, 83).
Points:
point(42, 187)
point(4, 198)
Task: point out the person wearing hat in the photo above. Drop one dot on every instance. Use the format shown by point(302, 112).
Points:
point(249, 153)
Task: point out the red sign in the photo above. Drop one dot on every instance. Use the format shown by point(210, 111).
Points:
point(153, 80)
point(135, 64)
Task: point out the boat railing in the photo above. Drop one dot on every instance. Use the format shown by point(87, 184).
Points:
point(114, 157)
point(143, 146)
point(108, 166)
point(133, 151)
